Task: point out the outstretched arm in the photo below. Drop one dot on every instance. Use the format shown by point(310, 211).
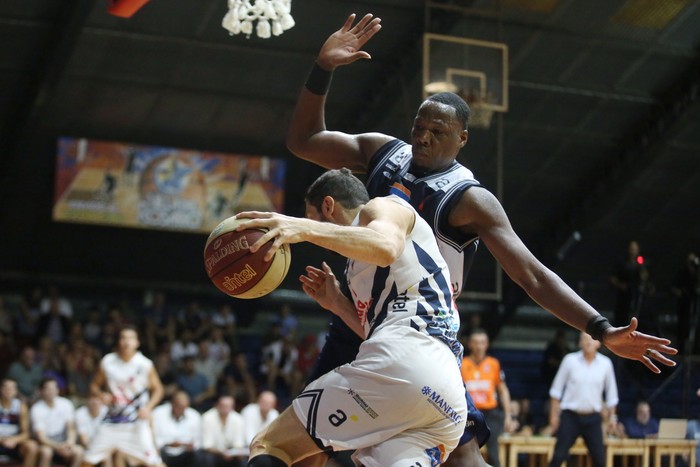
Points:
point(307, 136)
point(480, 212)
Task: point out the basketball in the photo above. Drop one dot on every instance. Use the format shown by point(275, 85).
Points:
point(234, 269)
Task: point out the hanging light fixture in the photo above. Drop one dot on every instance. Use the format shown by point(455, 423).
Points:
point(273, 17)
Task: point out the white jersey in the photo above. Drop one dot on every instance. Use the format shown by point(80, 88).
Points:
point(415, 290)
point(128, 382)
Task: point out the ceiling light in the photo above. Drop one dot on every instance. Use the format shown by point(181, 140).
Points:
point(273, 17)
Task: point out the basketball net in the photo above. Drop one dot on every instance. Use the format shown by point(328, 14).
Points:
point(481, 113)
point(273, 17)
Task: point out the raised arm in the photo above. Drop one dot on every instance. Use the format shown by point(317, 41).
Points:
point(307, 136)
point(480, 212)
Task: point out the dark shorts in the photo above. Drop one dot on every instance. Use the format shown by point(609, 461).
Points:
point(10, 453)
point(341, 347)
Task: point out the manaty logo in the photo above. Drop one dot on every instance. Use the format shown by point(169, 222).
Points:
point(437, 401)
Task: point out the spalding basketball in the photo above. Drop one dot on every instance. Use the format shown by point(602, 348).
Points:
point(235, 270)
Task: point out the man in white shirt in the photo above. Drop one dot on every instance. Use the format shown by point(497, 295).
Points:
point(258, 415)
point(223, 435)
point(88, 419)
point(53, 421)
point(577, 401)
point(178, 431)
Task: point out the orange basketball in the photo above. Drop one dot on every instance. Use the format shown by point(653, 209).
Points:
point(235, 270)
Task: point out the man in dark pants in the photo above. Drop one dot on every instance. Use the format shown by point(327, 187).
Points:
point(577, 401)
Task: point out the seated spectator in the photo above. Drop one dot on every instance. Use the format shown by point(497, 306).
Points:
point(53, 422)
point(54, 299)
point(15, 441)
point(258, 415)
point(81, 361)
point(693, 432)
point(51, 356)
point(225, 319)
point(521, 419)
point(158, 322)
point(7, 322)
point(88, 418)
point(205, 364)
point(25, 323)
point(7, 352)
point(178, 431)
point(237, 380)
point(219, 349)
point(194, 320)
point(92, 329)
point(165, 370)
point(222, 431)
point(195, 384)
point(27, 373)
point(53, 324)
point(183, 347)
point(642, 425)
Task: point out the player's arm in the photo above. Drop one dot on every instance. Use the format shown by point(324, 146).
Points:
point(307, 136)
point(479, 211)
point(97, 386)
point(322, 286)
point(23, 435)
point(378, 239)
point(155, 387)
point(504, 398)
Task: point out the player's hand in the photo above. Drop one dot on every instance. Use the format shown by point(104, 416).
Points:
point(629, 343)
point(321, 285)
point(281, 229)
point(107, 398)
point(144, 413)
point(343, 46)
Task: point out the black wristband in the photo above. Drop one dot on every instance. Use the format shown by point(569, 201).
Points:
point(597, 326)
point(319, 80)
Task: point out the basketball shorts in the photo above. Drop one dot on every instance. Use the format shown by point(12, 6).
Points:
point(134, 439)
point(400, 402)
point(341, 347)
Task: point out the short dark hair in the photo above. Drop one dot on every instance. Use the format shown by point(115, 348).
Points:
point(129, 327)
point(342, 185)
point(453, 100)
point(46, 380)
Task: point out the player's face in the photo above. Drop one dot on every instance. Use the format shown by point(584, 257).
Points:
point(436, 136)
point(128, 341)
point(478, 344)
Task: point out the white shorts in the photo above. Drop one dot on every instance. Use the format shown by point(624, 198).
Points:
point(400, 402)
point(133, 439)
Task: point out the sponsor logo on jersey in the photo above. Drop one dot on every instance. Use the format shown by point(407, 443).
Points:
point(363, 405)
point(436, 400)
point(401, 191)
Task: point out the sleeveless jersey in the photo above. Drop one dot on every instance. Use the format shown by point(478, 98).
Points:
point(128, 382)
point(433, 196)
point(414, 290)
point(9, 418)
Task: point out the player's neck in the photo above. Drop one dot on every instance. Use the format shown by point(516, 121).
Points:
point(126, 356)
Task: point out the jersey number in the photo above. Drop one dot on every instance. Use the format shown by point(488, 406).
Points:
point(338, 418)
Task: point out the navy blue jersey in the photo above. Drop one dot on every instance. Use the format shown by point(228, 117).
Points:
point(433, 196)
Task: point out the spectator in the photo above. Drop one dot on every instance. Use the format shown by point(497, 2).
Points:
point(258, 415)
point(693, 431)
point(158, 322)
point(686, 287)
point(630, 278)
point(26, 322)
point(88, 419)
point(280, 366)
point(92, 330)
point(195, 384)
point(15, 441)
point(183, 347)
point(222, 432)
point(26, 372)
point(556, 349)
point(225, 318)
point(521, 418)
point(219, 349)
point(165, 370)
point(487, 385)
point(194, 320)
point(178, 431)
point(53, 324)
point(642, 425)
point(577, 391)
point(81, 361)
point(53, 422)
point(307, 355)
point(237, 380)
point(205, 364)
point(55, 300)
point(287, 320)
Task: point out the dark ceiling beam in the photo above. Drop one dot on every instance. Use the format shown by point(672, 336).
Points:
point(69, 18)
point(638, 150)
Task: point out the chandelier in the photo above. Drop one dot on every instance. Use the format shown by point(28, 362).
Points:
point(273, 17)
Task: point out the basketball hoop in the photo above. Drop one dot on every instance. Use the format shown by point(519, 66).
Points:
point(481, 115)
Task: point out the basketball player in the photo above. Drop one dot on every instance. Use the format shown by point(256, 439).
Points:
point(401, 401)
point(460, 211)
point(128, 384)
